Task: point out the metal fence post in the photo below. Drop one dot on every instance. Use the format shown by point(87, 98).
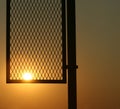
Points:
point(72, 94)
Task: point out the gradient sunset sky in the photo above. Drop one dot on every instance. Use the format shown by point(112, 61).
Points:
point(98, 58)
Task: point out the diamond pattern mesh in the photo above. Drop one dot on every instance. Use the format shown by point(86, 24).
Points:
point(36, 39)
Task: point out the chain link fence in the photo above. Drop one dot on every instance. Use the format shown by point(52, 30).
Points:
point(36, 39)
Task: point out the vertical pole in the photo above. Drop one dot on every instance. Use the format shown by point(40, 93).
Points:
point(72, 96)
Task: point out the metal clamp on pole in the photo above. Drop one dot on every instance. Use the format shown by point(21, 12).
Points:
point(71, 66)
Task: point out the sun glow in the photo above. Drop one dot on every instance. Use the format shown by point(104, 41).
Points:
point(27, 76)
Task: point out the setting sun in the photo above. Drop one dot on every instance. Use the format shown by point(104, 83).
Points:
point(27, 76)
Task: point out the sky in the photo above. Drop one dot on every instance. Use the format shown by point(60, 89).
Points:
point(98, 59)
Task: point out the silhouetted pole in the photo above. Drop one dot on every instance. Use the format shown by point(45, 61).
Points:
point(72, 94)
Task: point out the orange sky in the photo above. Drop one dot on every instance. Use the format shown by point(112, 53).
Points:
point(98, 58)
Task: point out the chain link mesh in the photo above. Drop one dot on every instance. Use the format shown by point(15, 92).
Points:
point(36, 39)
